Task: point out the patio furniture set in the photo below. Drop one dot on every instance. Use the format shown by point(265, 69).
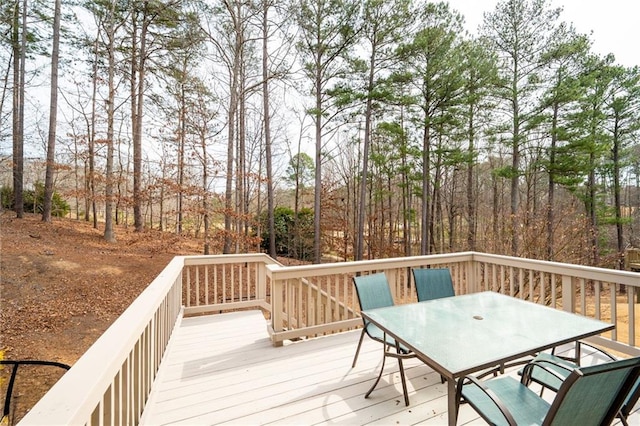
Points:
point(470, 337)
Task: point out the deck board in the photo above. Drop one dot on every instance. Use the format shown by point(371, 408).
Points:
point(223, 369)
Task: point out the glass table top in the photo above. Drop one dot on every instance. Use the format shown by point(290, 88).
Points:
point(464, 334)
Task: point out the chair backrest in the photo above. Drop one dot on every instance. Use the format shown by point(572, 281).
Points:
point(593, 395)
point(373, 291)
point(433, 283)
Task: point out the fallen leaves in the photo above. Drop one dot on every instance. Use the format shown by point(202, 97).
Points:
point(62, 285)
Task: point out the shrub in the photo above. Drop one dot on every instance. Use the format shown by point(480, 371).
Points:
point(294, 239)
point(34, 200)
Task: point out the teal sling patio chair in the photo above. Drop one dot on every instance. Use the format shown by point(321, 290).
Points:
point(591, 395)
point(561, 368)
point(433, 283)
point(373, 292)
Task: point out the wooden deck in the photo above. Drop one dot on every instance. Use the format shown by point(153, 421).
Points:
point(223, 369)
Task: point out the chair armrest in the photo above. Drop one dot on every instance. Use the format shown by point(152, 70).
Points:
point(583, 343)
point(595, 348)
point(544, 365)
point(489, 393)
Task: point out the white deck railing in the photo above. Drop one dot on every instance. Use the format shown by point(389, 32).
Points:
point(110, 383)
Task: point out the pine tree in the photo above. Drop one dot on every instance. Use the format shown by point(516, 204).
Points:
point(327, 33)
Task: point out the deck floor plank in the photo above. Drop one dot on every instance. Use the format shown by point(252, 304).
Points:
point(223, 369)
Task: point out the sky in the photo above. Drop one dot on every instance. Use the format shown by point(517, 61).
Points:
point(613, 24)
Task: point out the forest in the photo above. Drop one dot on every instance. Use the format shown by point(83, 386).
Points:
point(322, 129)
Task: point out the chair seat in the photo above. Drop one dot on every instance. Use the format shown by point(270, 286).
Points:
point(529, 408)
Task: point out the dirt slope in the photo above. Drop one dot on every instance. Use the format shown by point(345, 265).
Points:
point(62, 285)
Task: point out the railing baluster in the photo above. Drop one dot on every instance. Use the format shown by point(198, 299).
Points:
point(598, 314)
point(512, 283)
point(240, 281)
point(297, 299)
point(583, 297)
point(614, 309)
point(197, 301)
point(216, 292)
point(206, 284)
point(631, 314)
point(188, 301)
point(224, 282)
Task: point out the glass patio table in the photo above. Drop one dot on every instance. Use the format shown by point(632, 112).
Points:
point(465, 334)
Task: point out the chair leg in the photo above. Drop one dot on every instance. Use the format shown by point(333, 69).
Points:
point(623, 419)
point(355, 358)
point(384, 358)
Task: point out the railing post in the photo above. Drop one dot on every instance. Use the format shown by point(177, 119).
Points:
point(568, 295)
point(472, 276)
point(392, 278)
point(262, 281)
point(277, 308)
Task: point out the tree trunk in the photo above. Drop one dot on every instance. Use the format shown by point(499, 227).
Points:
point(317, 232)
point(134, 111)
point(552, 183)
point(138, 107)
point(53, 114)
point(267, 129)
point(425, 222)
point(205, 191)
point(495, 217)
point(91, 205)
point(231, 135)
point(19, 42)
point(122, 213)
point(592, 212)
point(181, 131)
point(471, 211)
point(109, 234)
point(617, 190)
point(365, 159)
point(515, 167)
point(241, 179)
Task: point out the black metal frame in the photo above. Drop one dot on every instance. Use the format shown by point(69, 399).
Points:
point(14, 372)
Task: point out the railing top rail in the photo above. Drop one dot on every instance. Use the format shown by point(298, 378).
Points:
point(579, 271)
point(286, 272)
point(226, 258)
